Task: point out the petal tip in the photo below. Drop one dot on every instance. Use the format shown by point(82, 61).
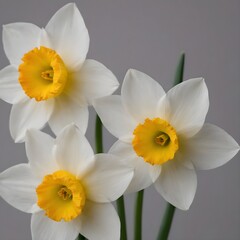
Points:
point(18, 140)
point(131, 71)
point(29, 133)
point(71, 6)
point(236, 149)
point(203, 80)
point(182, 206)
point(198, 80)
point(71, 127)
point(185, 208)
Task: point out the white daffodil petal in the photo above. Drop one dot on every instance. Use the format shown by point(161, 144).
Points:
point(114, 117)
point(17, 187)
point(140, 94)
point(163, 108)
point(93, 81)
point(189, 105)
point(73, 152)
point(69, 35)
point(143, 172)
point(43, 227)
point(143, 176)
point(108, 179)
point(39, 147)
point(67, 111)
point(181, 158)
point(18, 39)
point(155, 171)
point(45, 39)
point(123, 150)
point(29, 114)
point(10, 89)
point(99, 221)
point(211, 147)
point(177, 184)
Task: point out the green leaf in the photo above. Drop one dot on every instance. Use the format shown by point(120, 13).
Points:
point(180, 70)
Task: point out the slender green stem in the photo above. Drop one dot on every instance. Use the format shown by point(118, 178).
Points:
point(138, 216)
point(167, 222)
point(122, 216)
point(98, 135)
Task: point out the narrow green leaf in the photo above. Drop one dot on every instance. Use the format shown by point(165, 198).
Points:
point(98, 135)
point(180, 70)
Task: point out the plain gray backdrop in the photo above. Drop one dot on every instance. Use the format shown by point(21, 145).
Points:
point(149, 36)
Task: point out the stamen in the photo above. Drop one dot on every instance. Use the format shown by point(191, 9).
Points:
point(162, 139)
point(65, 194)
point(48, 75)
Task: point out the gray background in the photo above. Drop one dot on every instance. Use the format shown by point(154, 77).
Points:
point(149, 36)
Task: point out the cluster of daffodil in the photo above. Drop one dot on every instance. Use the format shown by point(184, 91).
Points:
point(68, 189)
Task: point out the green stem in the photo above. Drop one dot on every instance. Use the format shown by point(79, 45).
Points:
point(166, 223)
point(98, 135)
point(122, 216)
point(138, 216)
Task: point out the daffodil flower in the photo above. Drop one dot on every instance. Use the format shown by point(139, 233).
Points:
point(66, 187)
point(163, 135)
point(49, 78)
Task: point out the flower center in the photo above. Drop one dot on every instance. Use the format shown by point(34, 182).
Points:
point(42, 74)
point(65, 193)
point(48, 75)
point(162, 139)
point(155, 140)
point(61, 196)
